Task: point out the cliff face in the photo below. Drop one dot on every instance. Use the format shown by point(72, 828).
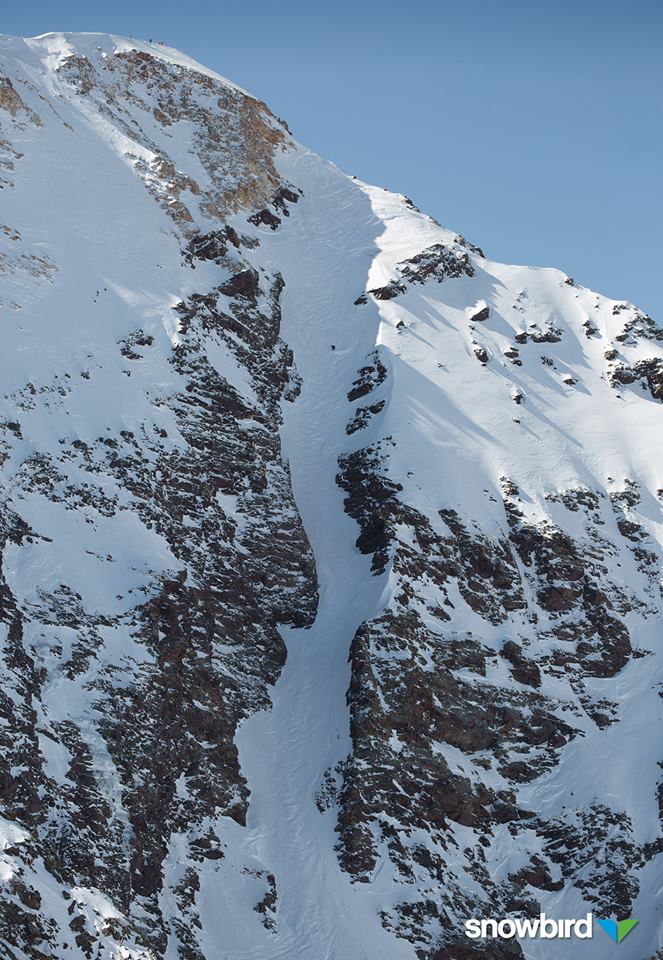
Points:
point(331, 550)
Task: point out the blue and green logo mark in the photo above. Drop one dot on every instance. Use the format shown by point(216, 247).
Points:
point(617, 930)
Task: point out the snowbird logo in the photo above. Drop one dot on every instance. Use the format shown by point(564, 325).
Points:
point(617, 930)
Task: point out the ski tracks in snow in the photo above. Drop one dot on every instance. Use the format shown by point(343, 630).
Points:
point(285, 751)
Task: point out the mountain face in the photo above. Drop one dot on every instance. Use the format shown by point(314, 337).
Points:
point(330, 593)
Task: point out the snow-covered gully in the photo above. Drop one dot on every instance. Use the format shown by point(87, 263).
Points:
point(285, 752)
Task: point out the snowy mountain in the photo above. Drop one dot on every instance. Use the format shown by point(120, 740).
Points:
point(332, 550)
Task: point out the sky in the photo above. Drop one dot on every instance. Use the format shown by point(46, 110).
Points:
point(532, 127)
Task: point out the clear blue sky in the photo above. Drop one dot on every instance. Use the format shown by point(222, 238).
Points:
point(534, 127)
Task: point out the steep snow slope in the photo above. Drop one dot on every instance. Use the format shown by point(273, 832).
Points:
point(215, 341)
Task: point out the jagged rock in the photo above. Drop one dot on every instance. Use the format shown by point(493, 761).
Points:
point(439, 262)
point(363, 416)
point(213, 245)
point(370, 377)
point(524, 670)
point(480, 315)
point(388, 292)
point(550, 335)
point(265, 217)
point(649, 370)
point(243, 284)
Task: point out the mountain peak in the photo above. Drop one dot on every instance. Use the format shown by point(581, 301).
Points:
point(55, 47)
point(146, 101)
